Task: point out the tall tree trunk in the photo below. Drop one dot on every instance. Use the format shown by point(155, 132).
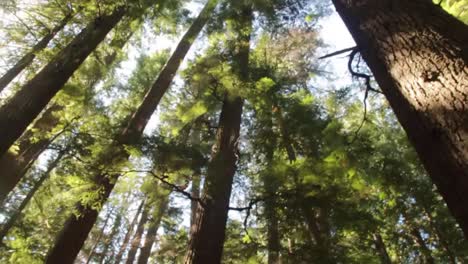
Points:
point(160, 210)
point(126, 239)
point(206, 244)
point(136, 240)
point(28, 102)
point(381, 249)
point(9, 224)
point(98, 238)
point(27, 59)
point(75, 232)
point(418, 55)
point(273, 238)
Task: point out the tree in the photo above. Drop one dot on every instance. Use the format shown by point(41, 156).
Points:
point(28, 58)
point(27, 103)
point(424, 82)
point(206, 243)
point(76, 229)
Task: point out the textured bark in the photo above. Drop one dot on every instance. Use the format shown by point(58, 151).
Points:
point(18, 112)
point(9, 224)
point(124, 245)
point(75, 232)
point(27, 59)
point(136, 240)
point(14, 166)
point(418, 54)
point(206, 244)
point(381, 249)
point(160, 210)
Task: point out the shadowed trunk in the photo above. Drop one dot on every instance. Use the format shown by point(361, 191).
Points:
point(206, 244)
point(18, 112)
point(9, 224)
point(76, 230)
point(381, 249)
point(27, 59)
point(126, 239)
point(418, 55)
point(159, 211)
point(136, 241)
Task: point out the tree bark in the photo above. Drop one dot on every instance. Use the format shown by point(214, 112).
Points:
point(123, 247)
point(381, 249)
point(17, 113)
point(9, 224)
point(418, 55)
point(206, 244)
point(28, 58)
point(150, 238)
point(74, 233)
point(136, 240)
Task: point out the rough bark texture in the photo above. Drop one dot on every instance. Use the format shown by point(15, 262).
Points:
point(14, 166)
point(418, 54)
point(381, 249)
point(9, 224)
point(124, 245)
point(150, 238)
point(75, 232)
point(27, 103)
point(206, 244)
point(136, 241)
point(27, 59)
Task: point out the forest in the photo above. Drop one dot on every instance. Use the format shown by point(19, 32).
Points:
point(219, 131)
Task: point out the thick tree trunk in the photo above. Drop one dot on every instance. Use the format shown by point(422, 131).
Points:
point(13, 167)
point(75, 232)
point(124, 245)
point(273, 238)
point(136, 241)
point(160, 210)
point(27, 59)
point(418, 54)
point(28, 102)
point(196, 181)
point(206, 244)
point(381, 249)
point(9, 224)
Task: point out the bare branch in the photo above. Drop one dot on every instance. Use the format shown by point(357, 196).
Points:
point(337, 52)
